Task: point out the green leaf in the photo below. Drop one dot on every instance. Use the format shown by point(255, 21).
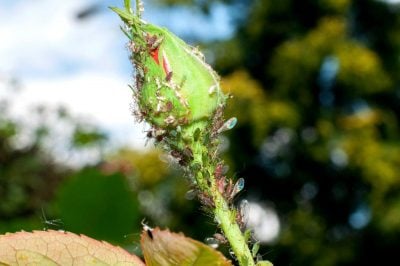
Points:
point(98, 205)
point(127, 4)
point(127, 17)
point(166, 248)
point(60, 248)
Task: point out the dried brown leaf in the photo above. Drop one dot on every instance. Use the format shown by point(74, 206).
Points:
point(60, 248)
point(161, 247)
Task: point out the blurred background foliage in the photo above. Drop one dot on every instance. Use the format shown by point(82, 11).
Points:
point(315, 87)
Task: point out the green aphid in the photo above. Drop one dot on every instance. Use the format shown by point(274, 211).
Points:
point(174, 86)
point(255, 248)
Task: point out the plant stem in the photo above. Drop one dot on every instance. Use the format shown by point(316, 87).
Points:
point(232, 232)
point(203, 168)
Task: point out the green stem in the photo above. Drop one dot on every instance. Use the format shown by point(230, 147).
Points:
point(231, 229)
point(203, 167)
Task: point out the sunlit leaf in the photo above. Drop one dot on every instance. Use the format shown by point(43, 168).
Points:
point(166, 248)
point(60, 248)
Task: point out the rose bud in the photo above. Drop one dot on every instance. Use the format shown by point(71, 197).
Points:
point(174, 85)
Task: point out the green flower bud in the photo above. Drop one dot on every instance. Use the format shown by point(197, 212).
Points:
point(174, 85)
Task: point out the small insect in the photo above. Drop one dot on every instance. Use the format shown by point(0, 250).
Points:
point(148, 230)
point(50, 223)
point(221, 184)
point(169, 120)
point(134, 48)
point(228, 190)
point(206, 200)
point(221, 239)
point(183, 120)
point(242, 215)
point(169, 76)
point(169, 106)
point(191, 194)
point(156, 133)
point(212, 242)
point(239, 185)
point(229, 124)
point(196, 134)
point(254, 249)
point(212, 89)
point(156, 43)
point(188, 153)
point(219, 170)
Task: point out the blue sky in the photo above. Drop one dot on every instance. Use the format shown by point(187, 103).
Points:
point(83, 64)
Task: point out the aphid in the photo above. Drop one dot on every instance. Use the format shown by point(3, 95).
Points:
point(206, 200)
point(169, 76)
point(180, 97)
point(140, 72)
point(188, 153)
point(139, 82)
point(228, 190)
point(158, 108)
point(132, 46)
point(196, 166)
point(229, 124)
point(239, 185)
point(191, 194)
point(212, 89)
point(168, 106)
point(219, 170)
point(156, 133)
point(149, 233)
point(247, 234)
point(212, 242)
point(183, 120)
point(196, 134)
point(221, 239)
point(169, 120)
point(225, 169)
point(156, 43)
point(221, 183)
point(148, 230)
point(51, 223)
point(217, 120)
point(242, 214)
point(254, 249)
point(183, 156)
point(176, 154)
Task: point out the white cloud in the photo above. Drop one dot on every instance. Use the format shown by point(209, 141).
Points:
point(105, 100)
point(43, 38)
